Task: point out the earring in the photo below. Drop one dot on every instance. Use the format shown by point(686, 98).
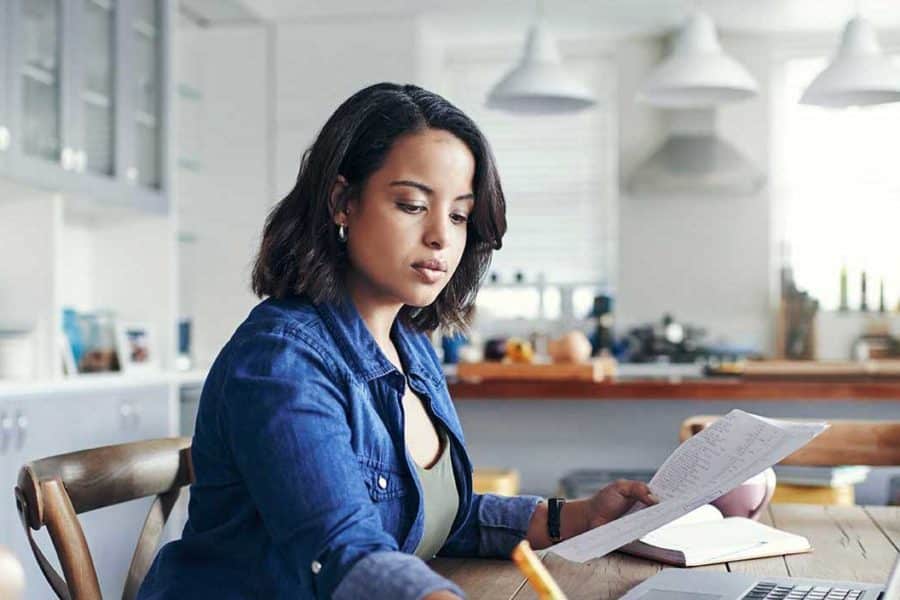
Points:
point(342, 233)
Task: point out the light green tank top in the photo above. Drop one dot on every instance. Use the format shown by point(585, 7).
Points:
point(440, 500)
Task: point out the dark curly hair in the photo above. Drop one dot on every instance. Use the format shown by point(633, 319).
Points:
point(300, 253)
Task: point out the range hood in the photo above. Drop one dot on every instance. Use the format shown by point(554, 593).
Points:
point(694, 160)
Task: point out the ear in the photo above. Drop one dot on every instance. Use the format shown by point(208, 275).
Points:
point(337, 200)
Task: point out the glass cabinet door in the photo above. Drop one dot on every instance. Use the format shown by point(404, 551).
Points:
point(148, 54)
point(5, 128)
point(96, 87)
point(40, 78)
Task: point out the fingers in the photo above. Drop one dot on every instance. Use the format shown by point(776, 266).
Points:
point(636, 490)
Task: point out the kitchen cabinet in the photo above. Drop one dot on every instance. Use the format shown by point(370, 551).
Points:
point(4, 90)
point(86, 85)
point(36, 426)
point(147, 43)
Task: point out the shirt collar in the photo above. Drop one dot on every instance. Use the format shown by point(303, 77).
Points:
point(359, 348)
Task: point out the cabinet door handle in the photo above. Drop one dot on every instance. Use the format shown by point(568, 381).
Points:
point(127, 412)
point(68, 159)
point(5, 139)
point(22, 429)
point(6, 427)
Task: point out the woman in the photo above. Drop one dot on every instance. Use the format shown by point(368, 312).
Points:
point(329, 459)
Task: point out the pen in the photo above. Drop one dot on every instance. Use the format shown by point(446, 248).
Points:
point(536, 573)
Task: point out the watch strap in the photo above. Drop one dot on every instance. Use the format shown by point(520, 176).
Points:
point(554, 511)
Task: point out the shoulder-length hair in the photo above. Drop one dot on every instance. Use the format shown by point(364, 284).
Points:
point(300, 253)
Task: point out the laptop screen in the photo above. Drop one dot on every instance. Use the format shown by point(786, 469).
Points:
point(892, 590)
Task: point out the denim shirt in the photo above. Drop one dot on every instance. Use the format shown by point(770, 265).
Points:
point(303, 485)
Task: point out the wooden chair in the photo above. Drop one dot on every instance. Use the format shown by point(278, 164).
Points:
point(52, 491)
point(846, 442)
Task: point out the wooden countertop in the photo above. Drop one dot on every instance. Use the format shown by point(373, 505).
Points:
point(686, 389)
point(850, 543)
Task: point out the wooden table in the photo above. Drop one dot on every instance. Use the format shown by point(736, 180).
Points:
point(850, 542)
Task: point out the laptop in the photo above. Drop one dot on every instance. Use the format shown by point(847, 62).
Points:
point(689, 584)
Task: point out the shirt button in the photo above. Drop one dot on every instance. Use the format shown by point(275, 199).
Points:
point(316, 567)
point(382, 482)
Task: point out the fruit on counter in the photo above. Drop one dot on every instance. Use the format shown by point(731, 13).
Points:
point(573, 347)
point(519, 350)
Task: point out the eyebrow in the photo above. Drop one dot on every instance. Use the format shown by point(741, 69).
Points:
point(428, 190)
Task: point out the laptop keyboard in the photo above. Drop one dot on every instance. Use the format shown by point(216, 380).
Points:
point(767, 590)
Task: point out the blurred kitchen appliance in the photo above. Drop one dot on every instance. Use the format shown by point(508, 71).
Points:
point(876, 342)
point(603, 337)
point(664, 341)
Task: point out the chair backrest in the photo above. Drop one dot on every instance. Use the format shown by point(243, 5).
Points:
point(52, 491)
point(846, 442)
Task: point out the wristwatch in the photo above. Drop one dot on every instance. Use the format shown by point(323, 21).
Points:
point(554, 510)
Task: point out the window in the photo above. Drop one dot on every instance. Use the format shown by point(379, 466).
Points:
point(841, 192)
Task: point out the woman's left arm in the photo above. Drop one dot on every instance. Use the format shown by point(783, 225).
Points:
point(495, 524)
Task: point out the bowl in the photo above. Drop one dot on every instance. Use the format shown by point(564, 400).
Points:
point(750, 498)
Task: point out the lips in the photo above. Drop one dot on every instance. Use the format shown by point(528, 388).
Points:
point(433, 264)
point(430, 271)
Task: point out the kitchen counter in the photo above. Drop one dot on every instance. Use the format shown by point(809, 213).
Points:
point(546, 430)
point(713, 388)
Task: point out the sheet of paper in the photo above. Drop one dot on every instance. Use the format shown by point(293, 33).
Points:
point(704, 467)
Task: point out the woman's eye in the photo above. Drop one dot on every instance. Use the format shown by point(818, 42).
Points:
point(458, 218)
point(410, 208)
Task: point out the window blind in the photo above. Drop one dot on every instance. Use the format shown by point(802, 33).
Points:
point(558, 174)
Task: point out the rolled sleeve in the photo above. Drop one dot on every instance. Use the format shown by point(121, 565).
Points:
point(493, 526)
point(504, 522)
point(394, 575)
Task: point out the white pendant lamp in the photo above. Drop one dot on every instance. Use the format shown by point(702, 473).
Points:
point(697, 73)
point(539, 84)
point(859, 74)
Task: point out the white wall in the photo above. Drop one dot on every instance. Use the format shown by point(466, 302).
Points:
point(222, 185)
point(705, 260)
point(255, 98)
point(320, 64)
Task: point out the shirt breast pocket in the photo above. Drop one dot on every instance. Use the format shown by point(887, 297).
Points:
point(390, 491)
point(384, 482)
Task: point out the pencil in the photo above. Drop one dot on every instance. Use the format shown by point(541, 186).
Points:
point(536, 573)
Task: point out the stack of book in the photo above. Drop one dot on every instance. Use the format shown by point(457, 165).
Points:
point(818, 485)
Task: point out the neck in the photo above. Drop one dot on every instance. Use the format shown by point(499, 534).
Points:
point(377, 311)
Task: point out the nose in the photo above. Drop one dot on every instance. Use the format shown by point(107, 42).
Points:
point(437, 231)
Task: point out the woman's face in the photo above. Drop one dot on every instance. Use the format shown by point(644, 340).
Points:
point(411, 211)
